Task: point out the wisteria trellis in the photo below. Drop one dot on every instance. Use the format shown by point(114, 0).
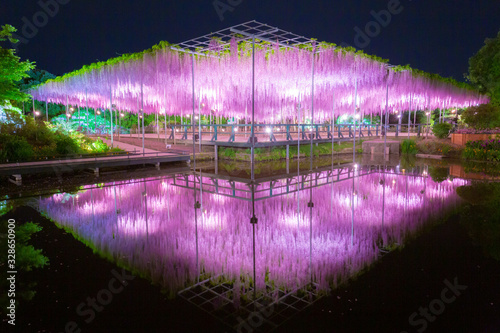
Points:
point(223, 84)
point(161, 245)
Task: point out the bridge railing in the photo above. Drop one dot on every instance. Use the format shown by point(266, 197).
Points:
point(287, 132)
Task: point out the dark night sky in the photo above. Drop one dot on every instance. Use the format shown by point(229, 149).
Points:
point(435, 36)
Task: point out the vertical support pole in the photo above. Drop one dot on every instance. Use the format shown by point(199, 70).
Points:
point(86, 108)
point(199, 122)
point(67, 110)
point(386, 111)
point(117, 128)
point(111, 114)
point(287, 152)
point(252, 135)
point(138, 118)
point(428, 116)
point(355, 107)
point(119, 124)
point(440, 113)
point(34, 115)
point(332, 130)
point(253, 219)
point(47, 111)
point(165, 110)
point(409, 113)
point(312, 105)
point(415, 117)
point(192, 118)
point(298, 128)
point(142, 113)
point(246, 119)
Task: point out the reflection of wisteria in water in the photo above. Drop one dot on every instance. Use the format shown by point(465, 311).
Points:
point(161, 241)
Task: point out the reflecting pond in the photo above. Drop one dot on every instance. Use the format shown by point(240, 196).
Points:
point(263, 248)
point(207, 237)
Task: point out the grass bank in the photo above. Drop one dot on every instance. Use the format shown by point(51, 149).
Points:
point(279, 152)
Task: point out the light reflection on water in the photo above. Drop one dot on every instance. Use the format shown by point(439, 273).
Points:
point(150, 225)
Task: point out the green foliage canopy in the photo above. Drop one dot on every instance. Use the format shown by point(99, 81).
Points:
point(484, 116)
point(441, 130)
point(484, 69)
point(11, 69)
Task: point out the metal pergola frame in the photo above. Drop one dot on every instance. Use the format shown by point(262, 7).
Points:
point(243, 32)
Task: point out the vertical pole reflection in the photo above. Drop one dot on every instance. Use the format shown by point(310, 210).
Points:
point(201, 198)
point(407, 197)
point(196, 232)
point(352, 206)
point(311, 204)
point(298, 163)
point(145, 195)
point(92, 203)
point(383, 197)
point(116, 212)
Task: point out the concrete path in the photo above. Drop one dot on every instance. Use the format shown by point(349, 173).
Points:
point(127, 147)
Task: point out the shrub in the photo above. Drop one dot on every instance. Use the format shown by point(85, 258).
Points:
point(98, 146)
point(66, 145)
point(229, 152)
point(442, 130)
point(484, 116)
point(482, 150)
point(477, 131)
point(409, 147)
point(16, 149)
point(446, 149)
point(438, 174)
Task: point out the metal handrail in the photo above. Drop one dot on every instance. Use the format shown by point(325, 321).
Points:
point(56, 157)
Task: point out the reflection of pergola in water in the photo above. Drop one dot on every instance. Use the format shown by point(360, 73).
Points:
point(154, 226)
point(254, 73)
point(263, 311)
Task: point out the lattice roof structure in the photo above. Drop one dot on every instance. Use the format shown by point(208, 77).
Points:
point(289, 70)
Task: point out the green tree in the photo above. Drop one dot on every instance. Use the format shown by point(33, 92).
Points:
point(484, 116)
point(35, 77)
point(484, 69)
point(12, 69)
